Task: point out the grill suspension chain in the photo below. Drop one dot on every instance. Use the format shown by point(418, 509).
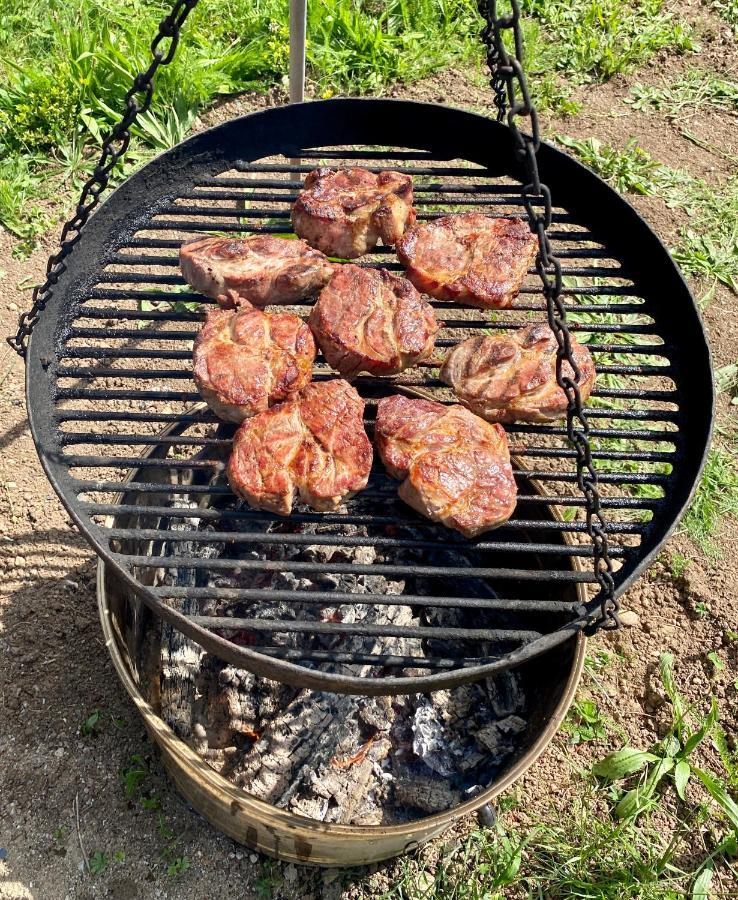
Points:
point(512, 99)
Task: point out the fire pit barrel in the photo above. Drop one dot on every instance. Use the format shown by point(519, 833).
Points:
point(280, 833)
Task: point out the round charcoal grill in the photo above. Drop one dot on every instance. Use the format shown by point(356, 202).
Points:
point(109, 375)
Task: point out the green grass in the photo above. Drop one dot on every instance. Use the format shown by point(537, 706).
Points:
point(717, 497)
point(592, 40)
point(683, 97)
point(708, 246)
point(66, 66)
point(728, 10)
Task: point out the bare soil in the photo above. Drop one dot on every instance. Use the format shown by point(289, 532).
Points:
point(56, 671)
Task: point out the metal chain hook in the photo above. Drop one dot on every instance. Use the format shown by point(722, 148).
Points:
point(508, 80)
point(137, 101)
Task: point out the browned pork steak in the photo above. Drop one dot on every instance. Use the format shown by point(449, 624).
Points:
point(456, 467)
point(345, 212)
point(259, 269)
point(471, 258)
point(246, 359)
point(512, 377)
point(368, 320)
point(313, 445)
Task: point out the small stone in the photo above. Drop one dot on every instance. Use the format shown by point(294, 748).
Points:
point(629, 618)
point(59, 752)
point(290, 873)
point(19, 561)
point(424, 884)
point(253, 858)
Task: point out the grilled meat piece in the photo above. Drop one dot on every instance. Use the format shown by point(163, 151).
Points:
point(512, 377)
point(470, 258)
point(368, 320)
point(345, 212)
point(260, 269)
point(313, 444)
point(246, 359)
point(456, 467)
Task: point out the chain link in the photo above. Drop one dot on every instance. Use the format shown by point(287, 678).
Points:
point(137, 101)
point(512, 96)
point(497, 79)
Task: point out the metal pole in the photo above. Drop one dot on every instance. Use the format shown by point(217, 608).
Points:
point(298, 28)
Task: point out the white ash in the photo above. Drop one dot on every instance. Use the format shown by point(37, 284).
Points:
point(332, 757)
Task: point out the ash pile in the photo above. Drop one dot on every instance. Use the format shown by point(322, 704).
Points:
point(332, 757)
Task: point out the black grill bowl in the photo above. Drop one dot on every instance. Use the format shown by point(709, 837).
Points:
point(108, 368)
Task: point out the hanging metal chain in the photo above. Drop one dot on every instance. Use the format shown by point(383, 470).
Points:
point(137, 100)
point(506, 67)
point(497, 79)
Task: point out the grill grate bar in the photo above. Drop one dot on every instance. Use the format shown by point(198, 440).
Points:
point(333, 598)
point(290, 168)
point(504, 199)
point(81, 437)
point(141, 259)
point(131, 487)
point(111, 277)
point(95, 508)
point(372, 659)
point(607, 476)
point(220, 212)
point(175, 243)
point(266, 228)
point(405, 570)
point(279, 538)
point(184, 315)
point(358, 629)
point(119, 462)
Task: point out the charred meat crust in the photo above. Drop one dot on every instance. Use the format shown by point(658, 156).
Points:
point(313, 445)
point(455, 467)
point(369, 320)
point(512, 377)
point(245, 360)
point(345, 212)
point(471, 258)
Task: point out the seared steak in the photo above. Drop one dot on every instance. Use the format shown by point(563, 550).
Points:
point(345, 212)
point(456, 467)
point(469, 258)
point(260, 269)
point(368, 320)
point(512, 377)
point(313, 444)
point(246, 359)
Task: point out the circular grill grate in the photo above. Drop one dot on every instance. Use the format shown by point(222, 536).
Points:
point(109, 376)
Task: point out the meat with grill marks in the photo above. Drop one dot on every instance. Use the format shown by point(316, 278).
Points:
point(512, 377)
point(259, 269)
point(245, 360)
point(368, 320)
point(470, 259)
point(454, 467)
point(312, 445)
point(345, 212)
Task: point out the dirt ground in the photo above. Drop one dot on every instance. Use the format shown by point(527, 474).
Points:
point(61, 791)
